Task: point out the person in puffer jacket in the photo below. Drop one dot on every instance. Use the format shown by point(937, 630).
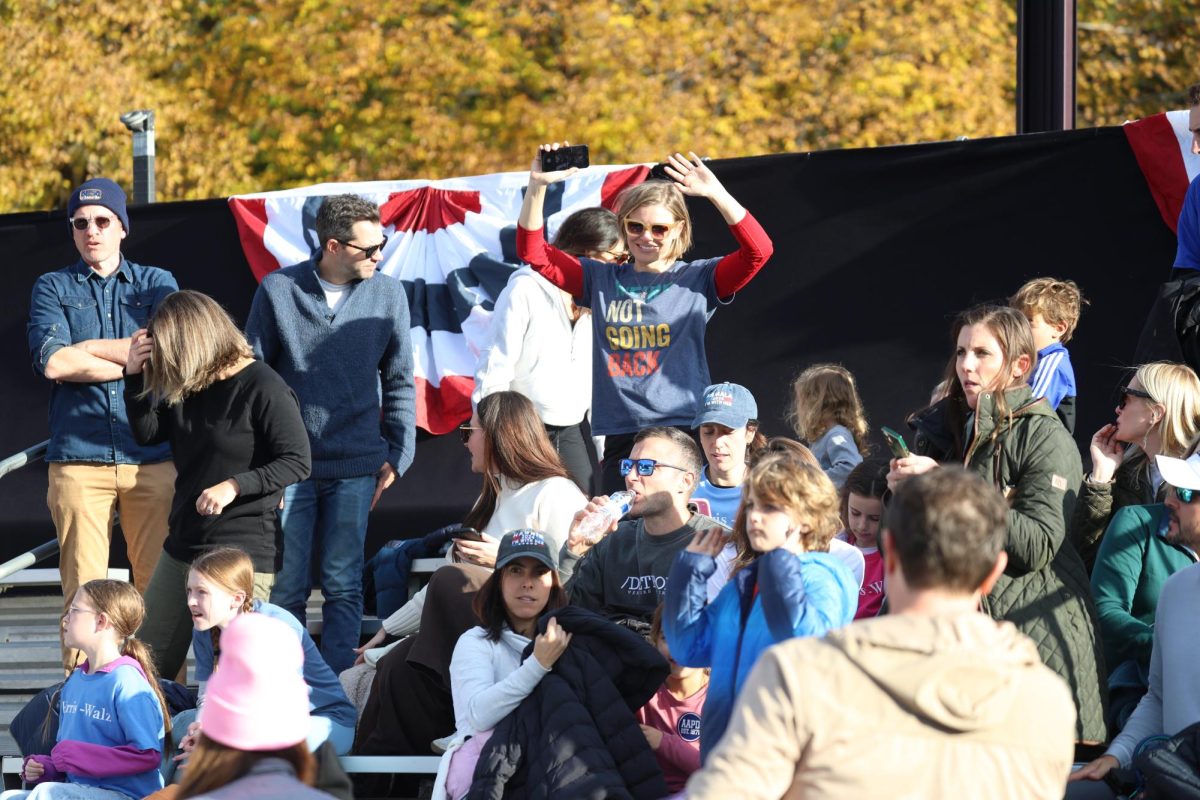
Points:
point(575, 735)
point(791, 586)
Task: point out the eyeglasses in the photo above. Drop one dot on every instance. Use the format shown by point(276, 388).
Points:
point(658, 231)
point(1186, 496)
point(465, 432)
point(82, 223)
point(1126, 393)
point(77, 610)
point(612, 256)
point(645, 466)
point(368, 252)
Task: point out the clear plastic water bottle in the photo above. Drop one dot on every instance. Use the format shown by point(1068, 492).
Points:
point(593, 527)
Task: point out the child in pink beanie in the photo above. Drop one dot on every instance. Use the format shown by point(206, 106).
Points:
point(254, 720)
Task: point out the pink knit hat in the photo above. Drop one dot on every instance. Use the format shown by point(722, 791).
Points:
point(257, 698)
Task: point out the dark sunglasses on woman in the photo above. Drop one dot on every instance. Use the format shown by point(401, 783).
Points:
point(1127, 393)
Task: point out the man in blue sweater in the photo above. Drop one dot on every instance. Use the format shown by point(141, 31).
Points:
point(339, 336)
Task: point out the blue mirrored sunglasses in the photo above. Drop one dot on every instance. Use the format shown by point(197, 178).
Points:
point(1185, 495)
point(645, 466)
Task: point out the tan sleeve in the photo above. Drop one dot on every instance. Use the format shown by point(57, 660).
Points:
point(758, 755)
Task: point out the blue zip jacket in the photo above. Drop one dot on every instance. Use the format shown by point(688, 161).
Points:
point(798, 595)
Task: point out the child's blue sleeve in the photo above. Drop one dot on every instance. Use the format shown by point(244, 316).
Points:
point(805, 595)
point(687, 625)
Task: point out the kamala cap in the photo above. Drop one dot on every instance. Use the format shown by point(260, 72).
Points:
point(726, 404)
point(525, 543)
point(100, 192)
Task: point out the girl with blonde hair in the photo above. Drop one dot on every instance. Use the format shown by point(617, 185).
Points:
point(111, 709)
point(1158, 413)
point(827, 412)
point(648, 313)
point(791, 587)
point(237, 439)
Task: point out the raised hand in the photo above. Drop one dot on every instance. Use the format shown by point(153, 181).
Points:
point(539, 178)
point(693, 176)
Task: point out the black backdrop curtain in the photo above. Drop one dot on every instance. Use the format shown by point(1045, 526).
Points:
point(875, 250)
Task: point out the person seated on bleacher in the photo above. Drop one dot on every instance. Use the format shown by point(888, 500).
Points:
point(624, 575)
point(525, 486)
point(1172, 702)
point(1144, 545)
point(255, 718)
point(220, 587)
point(488, 678)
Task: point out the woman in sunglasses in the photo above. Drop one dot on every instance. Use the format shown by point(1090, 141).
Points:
point(990, 422)
point(1158, 414)
point(649, 313)
point(237, 439)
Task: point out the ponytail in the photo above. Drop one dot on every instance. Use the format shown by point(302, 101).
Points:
point(140, 652)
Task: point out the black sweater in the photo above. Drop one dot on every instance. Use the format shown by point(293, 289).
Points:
point(246, 427)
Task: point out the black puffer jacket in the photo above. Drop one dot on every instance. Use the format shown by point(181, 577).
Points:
point(575, 736)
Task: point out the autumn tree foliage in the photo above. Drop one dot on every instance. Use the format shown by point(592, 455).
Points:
point(253, 95)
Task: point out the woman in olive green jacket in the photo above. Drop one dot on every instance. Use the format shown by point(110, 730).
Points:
point(991, 423)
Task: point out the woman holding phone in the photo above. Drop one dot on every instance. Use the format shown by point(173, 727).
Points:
point(649, 313)
point(524, 486)
point(991, 423)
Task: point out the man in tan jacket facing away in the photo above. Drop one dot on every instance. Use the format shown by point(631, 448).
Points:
point(933, 700)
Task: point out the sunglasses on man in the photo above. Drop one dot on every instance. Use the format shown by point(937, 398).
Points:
point(1185, 496)
point(368, 252)
point(82, 223)
point(645, 466)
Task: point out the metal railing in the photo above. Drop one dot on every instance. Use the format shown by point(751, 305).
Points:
point(42, 551)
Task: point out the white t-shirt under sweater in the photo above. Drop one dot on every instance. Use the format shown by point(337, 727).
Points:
point(547, 506)
point(335, 293)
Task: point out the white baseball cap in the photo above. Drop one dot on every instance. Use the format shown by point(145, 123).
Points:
point(1184, 473)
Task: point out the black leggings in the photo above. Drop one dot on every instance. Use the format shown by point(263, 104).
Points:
point(575, 448)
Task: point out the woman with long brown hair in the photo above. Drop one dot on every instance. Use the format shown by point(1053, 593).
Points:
point(991, 423)
point(237, 439)
point(524, 486)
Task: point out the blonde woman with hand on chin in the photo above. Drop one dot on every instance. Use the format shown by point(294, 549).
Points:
point(649, 313)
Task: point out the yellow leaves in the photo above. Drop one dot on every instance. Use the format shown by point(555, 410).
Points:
point(264, 94)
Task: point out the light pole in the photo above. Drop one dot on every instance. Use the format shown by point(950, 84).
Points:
point(141, 123)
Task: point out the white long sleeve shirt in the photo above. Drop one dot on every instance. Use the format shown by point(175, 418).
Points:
point(547, 506)
point(535, 350)
point(488, 679)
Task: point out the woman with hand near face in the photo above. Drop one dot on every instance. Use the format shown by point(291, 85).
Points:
point(237, 439)
point(792, 587)
point(1159, 412)
point(649, 313)
point(990, 422)
point(487, 675)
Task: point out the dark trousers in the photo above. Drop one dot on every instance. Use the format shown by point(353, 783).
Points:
point(578, 454)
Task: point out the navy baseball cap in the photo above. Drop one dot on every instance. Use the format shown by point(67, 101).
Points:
point(726, 404)
point(525, 543)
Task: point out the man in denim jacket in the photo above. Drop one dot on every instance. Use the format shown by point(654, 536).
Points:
point(81, 319)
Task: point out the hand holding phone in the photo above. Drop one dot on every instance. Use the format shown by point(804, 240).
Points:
point(561, 158)
point(466, 534)
point(895, 442)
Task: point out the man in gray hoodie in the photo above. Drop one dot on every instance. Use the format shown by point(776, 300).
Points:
point(933, 700)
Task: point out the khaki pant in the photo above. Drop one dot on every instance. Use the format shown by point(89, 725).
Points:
point(84, 500)
point(167, 629)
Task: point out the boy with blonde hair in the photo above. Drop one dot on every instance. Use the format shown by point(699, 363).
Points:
point(1052, 307)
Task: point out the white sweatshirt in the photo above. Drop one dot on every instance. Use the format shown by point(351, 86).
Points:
point(535, 350)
